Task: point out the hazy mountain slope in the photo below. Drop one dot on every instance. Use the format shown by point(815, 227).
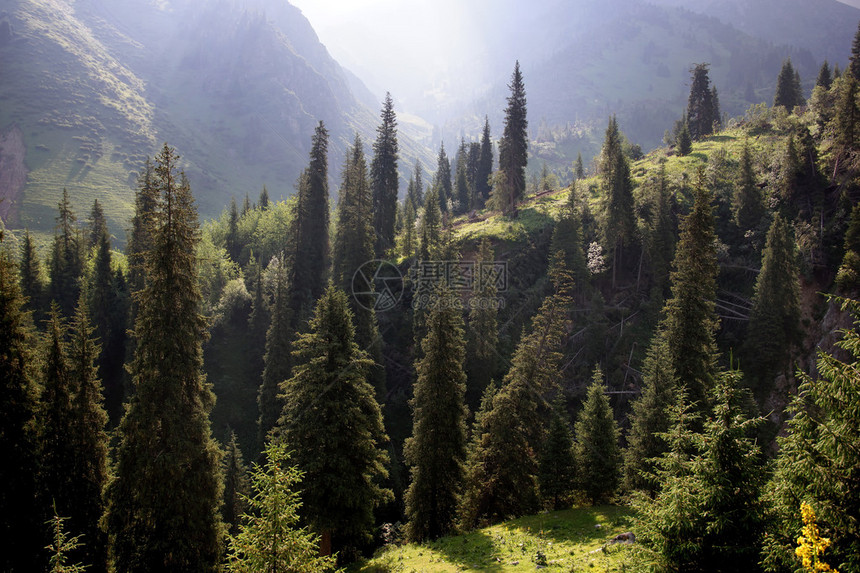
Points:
point(824, 27)
point(94, 86)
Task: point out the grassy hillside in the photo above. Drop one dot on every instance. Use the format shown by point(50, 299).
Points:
point(571, 540)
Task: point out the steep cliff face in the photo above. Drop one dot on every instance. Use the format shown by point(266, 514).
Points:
point(95, 86)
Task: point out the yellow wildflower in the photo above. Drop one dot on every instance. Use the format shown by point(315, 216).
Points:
point(810, 544)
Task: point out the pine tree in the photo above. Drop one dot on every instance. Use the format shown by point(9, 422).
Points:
point(846, 120)
point(690, 322)
point(98, 224)
point(270, 537)
point(353, 247)
point(747, 202)
point(88, 440)
point(485, 165)
point(246, 205)
point(661, 240)
point(442, 181)
point(436, 450)
point(31, 278)
point(384, 179)
point(616, 188)
point(715, 102)
point(163, 500)
point(264, 199)
point(333, 424)
point(731, 471)
point(700, 105)
point(513, 147)
point(819, 458)
point(233, 244)
point(854, 59)
point(578, 169)
point(788, 91)
point(501, 480)
point(462, 190)
point(56, 454)
point(598, 452)
point(236, 486)
point(430, 230)
point(774, 325)
point(140, 240)
point(20, 523)
point(482, 362)
point(277, 359)
point(684, 142)
point(309, 259)
point(649, 419)
point(409, 239)
point(567, 237)
point(825, 78)
point(848, 277)
point(109, 317)
point(556, 470)
point(66, 258)
point(61, 545)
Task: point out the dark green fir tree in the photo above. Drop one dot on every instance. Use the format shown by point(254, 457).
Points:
point(164, 496)
point(89, 440)
point(556, 469)
point(20, 521)
point(97, 224)
point(700, 105)
point(616, 189)
point(788, 90)
point(442, 180)
point(502, 467)
point(825, 77)
point(513, 146)
point(66, 259)
point(384, 178)
point(598, 453)
point(482, 358)
point(278, 359)
point(485, 165)
point(854, 65)
point(236, 486)
point(333, 424)
point(747, 201)
point(819, 458)
point(32, 287)
point(774, 325)
point(436, 451)
point(684, 141)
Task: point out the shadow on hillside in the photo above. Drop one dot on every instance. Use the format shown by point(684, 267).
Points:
point(476, 550)
point(720, 138)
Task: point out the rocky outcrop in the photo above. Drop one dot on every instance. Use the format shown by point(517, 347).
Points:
point(13, 173)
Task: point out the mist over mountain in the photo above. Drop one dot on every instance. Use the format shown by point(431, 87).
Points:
point(88, 88)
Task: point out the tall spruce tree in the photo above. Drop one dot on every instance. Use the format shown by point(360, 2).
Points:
point(578, 168)
point(140, 240)
point(29, 266)
point(163, 499)
point(556, 469)
point(353, 246)
point(482, 361)
point(277, 359)
point(649, 419)
point(236, 486)
point(513, 147)
point(485, 165)
point(333, 424)
point(616, 188)
point(774, 325)
point(690, 322)
point(97, 224)
point(854, 59)
point(57, 455)
point(819, 459)
point(502, 466)
point(384, 179)
point(442, 180)
point(598, 452)
point(788, 90)
point(66, 258)
point(846, 119)
point(436, 451)
point(89, 440)
point(462, 188)
point(567, 237)
point(232, 242)
point(20, 524)
point(825, 77)
point(747, 201)
point(700, 104)
point(309, 258)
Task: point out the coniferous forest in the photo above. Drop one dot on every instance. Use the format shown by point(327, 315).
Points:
point(297, 383)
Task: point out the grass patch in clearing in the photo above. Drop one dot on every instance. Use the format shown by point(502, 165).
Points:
point(569, 540)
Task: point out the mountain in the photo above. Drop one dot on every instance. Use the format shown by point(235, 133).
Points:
point(89, 88)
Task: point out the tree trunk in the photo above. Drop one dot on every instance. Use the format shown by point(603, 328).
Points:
point(325, 543)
